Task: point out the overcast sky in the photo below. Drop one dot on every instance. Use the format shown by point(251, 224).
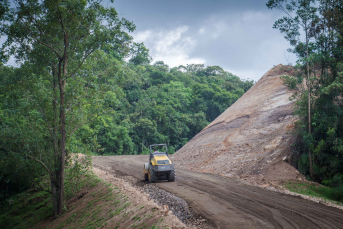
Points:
point(236, 35)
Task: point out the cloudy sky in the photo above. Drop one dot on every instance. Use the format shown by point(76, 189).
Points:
point(236, 35)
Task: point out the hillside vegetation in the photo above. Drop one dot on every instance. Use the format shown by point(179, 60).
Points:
point(314, 29)
point(82, 85)
point(159, 104)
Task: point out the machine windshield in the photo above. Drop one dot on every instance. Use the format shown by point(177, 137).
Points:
point(159, 148)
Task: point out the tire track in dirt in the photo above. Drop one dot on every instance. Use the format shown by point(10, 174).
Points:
point(227, 203)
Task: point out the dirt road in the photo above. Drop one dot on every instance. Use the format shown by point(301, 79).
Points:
point(226, 203)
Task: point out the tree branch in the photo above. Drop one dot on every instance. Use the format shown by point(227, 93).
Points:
point(78, 67)
point(47, 45)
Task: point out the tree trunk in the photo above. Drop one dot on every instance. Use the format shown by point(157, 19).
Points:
point(55, 190)
point(309, 102)
point(60, 172)
point(58, 175)
point(61, 162)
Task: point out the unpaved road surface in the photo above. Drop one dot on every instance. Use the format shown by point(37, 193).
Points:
point(227, 203)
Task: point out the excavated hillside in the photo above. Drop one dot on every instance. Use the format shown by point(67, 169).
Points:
point(252, 139)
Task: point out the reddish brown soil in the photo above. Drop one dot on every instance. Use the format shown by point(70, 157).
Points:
point(228, 203)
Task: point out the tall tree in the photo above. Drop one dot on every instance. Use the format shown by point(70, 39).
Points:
point(140, 54)
point(299, 14)
point(55, 38)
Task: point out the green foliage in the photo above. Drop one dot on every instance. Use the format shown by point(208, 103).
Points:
point(162, 105)
point(64, 80)
point(325, 141)
point(25, 210)
point(140, 54)
point(96, 203)
point(300, 15)
point(290, 82)
point(321, 20)
point(334, 193)
point(17, 174)
point(76, 169)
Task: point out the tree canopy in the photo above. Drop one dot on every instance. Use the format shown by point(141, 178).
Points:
point(319, 148)
point(58, 44)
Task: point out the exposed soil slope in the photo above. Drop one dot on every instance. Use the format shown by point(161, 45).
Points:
point(251, 138)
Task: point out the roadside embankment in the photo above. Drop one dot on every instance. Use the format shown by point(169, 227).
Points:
point(142, 208)
point(100, 201)
point(173, 209)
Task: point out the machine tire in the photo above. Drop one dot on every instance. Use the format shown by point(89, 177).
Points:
point(152, 175)
point(146, 170)
point(171, 175)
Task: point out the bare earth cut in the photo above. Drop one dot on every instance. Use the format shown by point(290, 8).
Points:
point(251, 138)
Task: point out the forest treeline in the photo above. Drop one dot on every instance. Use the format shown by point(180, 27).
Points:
point(158, 104)
point(315, 31)
point(82, 85)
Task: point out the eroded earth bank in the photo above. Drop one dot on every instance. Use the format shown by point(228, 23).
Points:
point(251, 139)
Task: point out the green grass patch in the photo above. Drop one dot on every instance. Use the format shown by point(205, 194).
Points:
point(316, 190)
point(26, 210)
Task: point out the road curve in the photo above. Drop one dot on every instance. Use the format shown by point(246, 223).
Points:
point(227, 203)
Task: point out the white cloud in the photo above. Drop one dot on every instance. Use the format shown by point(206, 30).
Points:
point(243, 43)
point(219, 28)
point(142, 36)
point(201, 31)
point(255, 17)
point(172, 47)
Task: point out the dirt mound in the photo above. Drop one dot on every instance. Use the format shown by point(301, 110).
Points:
point(251, 139)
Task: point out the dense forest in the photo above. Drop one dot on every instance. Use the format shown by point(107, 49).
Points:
point(157, 104)
point(82, 85)
point(315, 31)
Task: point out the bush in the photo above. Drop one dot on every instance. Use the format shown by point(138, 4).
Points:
point(76, 168)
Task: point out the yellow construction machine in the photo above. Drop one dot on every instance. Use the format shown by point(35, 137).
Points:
point(160, 166)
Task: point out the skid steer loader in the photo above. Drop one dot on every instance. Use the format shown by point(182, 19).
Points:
point(159, 167)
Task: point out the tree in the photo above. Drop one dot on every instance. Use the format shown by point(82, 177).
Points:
point(140, 54)
point(299, 13)
point(54, 39)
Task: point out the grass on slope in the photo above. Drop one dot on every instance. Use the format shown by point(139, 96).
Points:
point(96, 205)
point(316, 190)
